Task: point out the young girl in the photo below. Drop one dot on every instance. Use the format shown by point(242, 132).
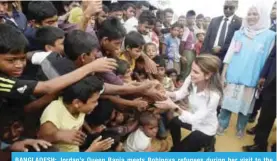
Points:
point(204, 91)
point(150, 50)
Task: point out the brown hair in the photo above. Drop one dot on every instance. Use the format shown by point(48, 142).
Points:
point(211, 64)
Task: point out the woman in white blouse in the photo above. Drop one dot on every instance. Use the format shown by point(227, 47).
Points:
point(203, 90)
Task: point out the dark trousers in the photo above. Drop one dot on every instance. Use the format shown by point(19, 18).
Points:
point(257, 107)
point(265, 122)
point(194, 142)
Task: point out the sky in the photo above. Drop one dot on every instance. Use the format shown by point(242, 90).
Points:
point(213, 8)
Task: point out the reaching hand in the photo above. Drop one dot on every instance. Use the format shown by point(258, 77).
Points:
point(103, 65)
point(140, 104)
point(167, 104)
point(216, 49)
point(75, 137)
point(99, 145)
point(21, 146)
point(91, 7)
point(150, 66)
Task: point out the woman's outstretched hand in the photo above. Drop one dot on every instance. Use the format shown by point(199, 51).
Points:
point(166, 105)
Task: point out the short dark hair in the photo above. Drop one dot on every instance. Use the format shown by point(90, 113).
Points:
point(146, 118)
point(159, 60)
point(122, 67)
point(199, 16)
point(134, 40)
point(115, 7)
point(179, 78)
point(105, 8)
point(41, 10)
point(168, 10)
point(126, 6)
point(176, 24)
point(12, 40)
point(78, 42)
point(147, 17)
point(170, 71)
point(139, 4)
point(48, 35)
point(8, 116)
point(112, 29)
point(101, 113)
point(190, 13)
point(82, 90)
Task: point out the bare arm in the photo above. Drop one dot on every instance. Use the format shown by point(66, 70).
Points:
point(119, 101)
point(40, 103)
point(49, 132)
point(59, 83)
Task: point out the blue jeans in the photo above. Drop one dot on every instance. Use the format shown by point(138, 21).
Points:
point(224, 119)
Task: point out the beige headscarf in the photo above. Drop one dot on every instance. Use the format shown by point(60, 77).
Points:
point(263, 23)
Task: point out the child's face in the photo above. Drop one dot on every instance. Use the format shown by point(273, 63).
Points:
point(92, 22)
point(161, 71)
point(12, 64)
point(135, 53)
point(89, 106)
point(88, 58)
point(58, 46)
point(173, 76)
point(111, 45)
point(179, 83)
point(130, 12)
point(151, 51)
point(158, 26)
point(201, 37)
point(175, 31)
point(151, 130)
point(145, 28)
point(13, 132)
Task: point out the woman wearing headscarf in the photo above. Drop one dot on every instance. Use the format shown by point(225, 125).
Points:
point(243, 63)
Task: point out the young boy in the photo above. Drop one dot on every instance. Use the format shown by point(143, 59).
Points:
point(133, 48)
point(200, 40)
point(40, 13)
point(12, 62)
point(128, 11)
point(146, 24)
point(50, 39)
point(161, 76)
point(140, 140)
point(62, 120)
point(171, 48)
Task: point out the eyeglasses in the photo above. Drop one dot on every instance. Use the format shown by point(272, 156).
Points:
point(230, 7)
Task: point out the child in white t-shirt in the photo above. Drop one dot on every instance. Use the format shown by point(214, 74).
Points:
point(140, 140)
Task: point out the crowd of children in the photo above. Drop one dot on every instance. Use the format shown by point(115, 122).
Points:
point(102, 78)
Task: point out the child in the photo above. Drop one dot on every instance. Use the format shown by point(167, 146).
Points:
point(140, 140)
point(15, 91)
point(62, 120)
point(41, 13)
point(179, 82)
point(172, 73)
point(133, 48)
point(151, 50)
point(101, 17)
point(128, 11)
point(161, 76)
point(200, 40)
point(50, 39)
point(171, 48)
point(124, 71)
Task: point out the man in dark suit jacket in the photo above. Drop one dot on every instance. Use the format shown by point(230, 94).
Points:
point(221, 30)
point(268, 111)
